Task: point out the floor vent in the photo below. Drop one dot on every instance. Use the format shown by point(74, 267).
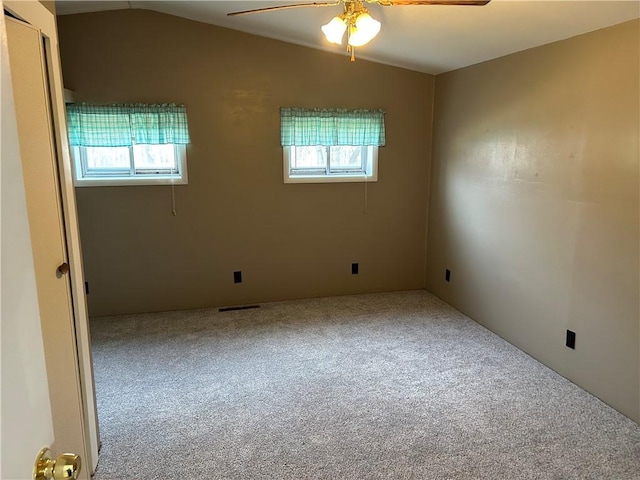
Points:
point(243, 307)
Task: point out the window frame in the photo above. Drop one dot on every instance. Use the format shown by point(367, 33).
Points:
point(81, 179)
point(369, 175)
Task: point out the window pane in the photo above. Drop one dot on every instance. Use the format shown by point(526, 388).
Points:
point(348, 158)
point(312, 157)
point(155, 158)
point(107, 159)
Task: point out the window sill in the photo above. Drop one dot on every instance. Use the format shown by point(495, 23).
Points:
point(331, 179)
point(128, 181)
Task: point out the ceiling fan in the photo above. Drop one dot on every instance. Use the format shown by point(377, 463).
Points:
point(361, 28)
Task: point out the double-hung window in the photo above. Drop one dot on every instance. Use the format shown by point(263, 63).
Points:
point(128, 144)
point(331, 145)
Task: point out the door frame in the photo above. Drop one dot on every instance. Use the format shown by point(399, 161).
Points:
point(37, 15)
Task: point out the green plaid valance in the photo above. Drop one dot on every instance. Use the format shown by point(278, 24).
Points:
point(305, 126)
point(126, 125)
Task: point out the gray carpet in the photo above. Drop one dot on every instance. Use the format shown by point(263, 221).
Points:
point(396, 385)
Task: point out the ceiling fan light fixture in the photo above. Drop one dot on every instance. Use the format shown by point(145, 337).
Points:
point(355, 20)
point(364, 29)
point(334, 30)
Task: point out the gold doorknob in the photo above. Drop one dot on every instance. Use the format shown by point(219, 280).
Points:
point(63, 269)
point(65, 466)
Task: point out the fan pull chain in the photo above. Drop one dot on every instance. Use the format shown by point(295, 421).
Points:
point(351, 48)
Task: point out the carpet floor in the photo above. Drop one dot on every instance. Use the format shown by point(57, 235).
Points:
point(396, 385)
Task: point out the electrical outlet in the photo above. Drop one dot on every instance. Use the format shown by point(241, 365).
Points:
point(447, 275)
point(237, 277)
point(571, 339)
point(354, 269)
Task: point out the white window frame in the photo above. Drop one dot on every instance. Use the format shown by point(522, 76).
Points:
point(81, 179)
point(370, 174)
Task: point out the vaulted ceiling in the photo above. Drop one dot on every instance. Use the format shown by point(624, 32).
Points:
point(430, 39)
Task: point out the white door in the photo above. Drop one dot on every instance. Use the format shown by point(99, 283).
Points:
point(26, 414)
point(59, 339)
point(39, 167)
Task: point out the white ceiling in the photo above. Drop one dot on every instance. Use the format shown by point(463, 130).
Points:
point(430, 39)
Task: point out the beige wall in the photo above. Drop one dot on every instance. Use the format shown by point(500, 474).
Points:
point(49, 5)
point(535, 204)
point(290, 241)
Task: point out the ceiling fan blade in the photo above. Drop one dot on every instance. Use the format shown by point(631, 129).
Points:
point(478, 3)
point(285, 7)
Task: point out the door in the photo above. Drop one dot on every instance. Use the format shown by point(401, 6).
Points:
point(39, 167)
point(26, 414)
point(30, 67)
